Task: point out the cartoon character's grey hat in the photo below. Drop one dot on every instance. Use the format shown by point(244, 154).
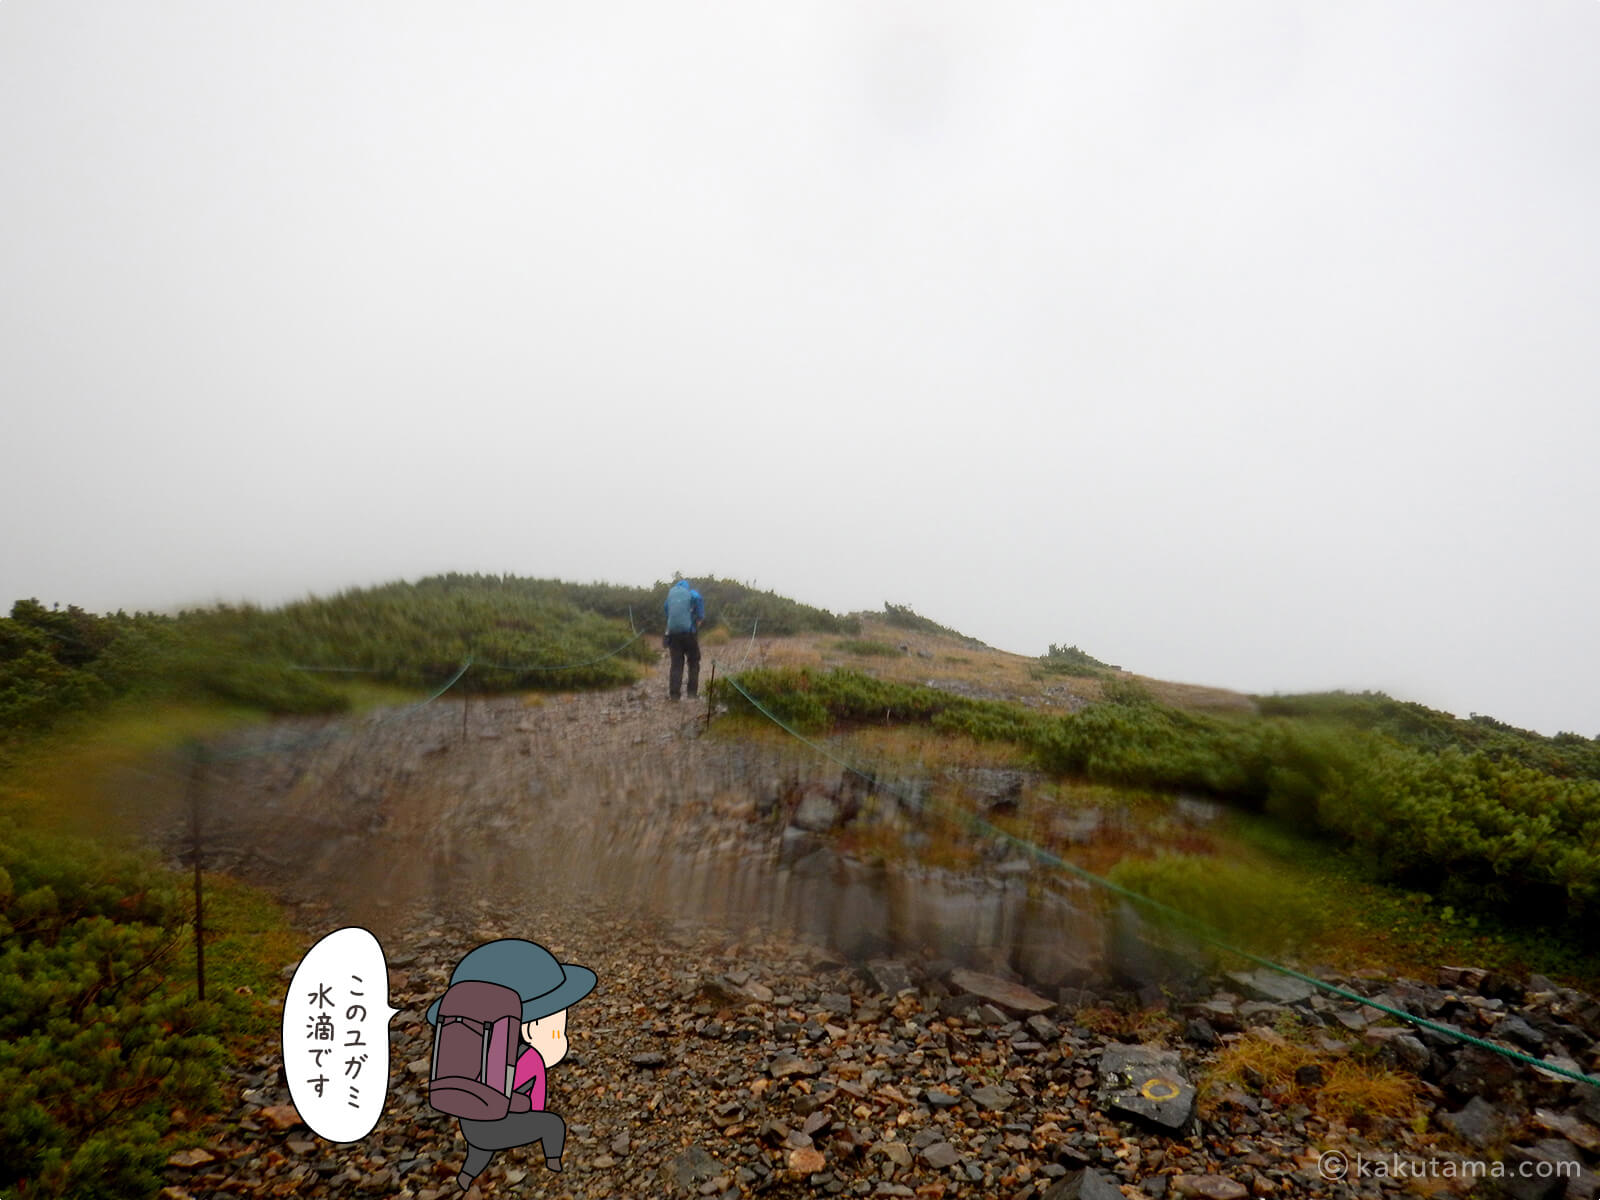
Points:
point(545, 985)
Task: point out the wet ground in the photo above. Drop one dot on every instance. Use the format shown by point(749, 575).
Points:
point(771, 1018)
point(619, 799)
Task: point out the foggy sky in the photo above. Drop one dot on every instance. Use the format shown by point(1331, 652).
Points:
point(1242, 343)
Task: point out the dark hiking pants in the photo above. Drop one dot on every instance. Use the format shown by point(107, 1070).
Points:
point(682, 646)
point(513, 1129)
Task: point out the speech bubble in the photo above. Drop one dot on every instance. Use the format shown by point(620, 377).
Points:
point(336, 1035)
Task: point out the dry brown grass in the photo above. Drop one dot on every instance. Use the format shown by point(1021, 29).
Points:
point(937, 658)
point(1352, 1091)
point(930, 749)
point(1195, 697)
point(1358, 1093)
point(1144, 1024)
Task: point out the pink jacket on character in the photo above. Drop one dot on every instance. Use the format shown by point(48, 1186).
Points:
point(530, 1066)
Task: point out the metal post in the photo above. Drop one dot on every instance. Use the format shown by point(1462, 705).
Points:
point(197, 775)
point(711, 693)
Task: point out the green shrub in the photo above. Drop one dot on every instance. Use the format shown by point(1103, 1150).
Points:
point(520, 634)
point(1252, 907)
point(1568, 755)
point(1125, 692)
point(271, 687)
point(1069, 660)
point(36, 689)
point(737, 606)
point(95, 1048)
point(786, 695)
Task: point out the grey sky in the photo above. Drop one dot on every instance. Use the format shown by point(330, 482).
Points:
point(1239, 343)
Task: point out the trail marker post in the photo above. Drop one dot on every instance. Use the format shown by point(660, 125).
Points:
point(197, 779)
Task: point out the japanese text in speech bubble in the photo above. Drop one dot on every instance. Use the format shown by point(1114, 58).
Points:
point(336, 1035)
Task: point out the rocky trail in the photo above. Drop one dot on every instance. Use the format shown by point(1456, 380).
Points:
point(723, 1055)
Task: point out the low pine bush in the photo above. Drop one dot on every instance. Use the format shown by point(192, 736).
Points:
point(1069, 660)
point(96, 1048)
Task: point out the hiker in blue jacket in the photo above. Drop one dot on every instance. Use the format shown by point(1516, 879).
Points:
point(686, 612)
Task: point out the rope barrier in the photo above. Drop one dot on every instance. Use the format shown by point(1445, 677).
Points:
point(420, 703)
point(749, 646)
point(1199, 928)
point(323, 737)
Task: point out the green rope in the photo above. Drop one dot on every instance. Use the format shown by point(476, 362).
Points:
point(1198, 927)
point(325, 736)
point(450, 683)
point(750, 645)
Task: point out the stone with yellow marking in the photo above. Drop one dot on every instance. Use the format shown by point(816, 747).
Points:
point(1146, 1084)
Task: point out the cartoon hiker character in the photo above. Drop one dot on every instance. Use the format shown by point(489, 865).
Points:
point(501, 1024)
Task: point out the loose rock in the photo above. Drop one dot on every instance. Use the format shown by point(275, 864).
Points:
point(1145, 1083)
point(1012, 997)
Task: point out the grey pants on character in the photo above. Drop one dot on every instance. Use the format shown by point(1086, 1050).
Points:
point(513, 1129)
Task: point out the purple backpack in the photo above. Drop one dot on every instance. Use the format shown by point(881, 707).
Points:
point(475, 1050)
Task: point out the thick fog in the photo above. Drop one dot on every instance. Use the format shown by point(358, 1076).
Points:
point(1245, 343)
